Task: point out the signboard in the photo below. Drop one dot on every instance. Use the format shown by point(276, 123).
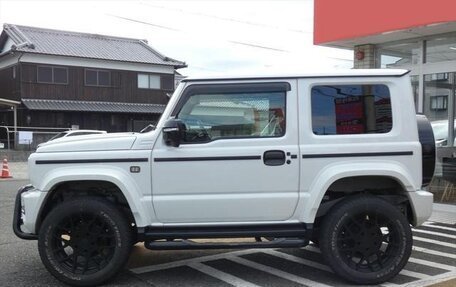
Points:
point(349, 115)
point(25, 137)
point(2, 145)
point(351, 19)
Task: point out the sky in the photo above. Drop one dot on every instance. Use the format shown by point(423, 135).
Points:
point(212, 37)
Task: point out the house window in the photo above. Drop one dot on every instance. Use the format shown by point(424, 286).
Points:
point(148, 81)
point(52, 75)
point(439, 103)
point(100, 78)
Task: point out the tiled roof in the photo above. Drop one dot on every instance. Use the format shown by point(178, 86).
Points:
point(93, 106)
point(84, 45)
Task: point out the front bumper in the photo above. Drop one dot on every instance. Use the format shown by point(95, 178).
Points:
point(26, 207)
point(421, 202)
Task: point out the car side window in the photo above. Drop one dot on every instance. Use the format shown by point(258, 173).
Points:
point(351, 109)
point(209, 117)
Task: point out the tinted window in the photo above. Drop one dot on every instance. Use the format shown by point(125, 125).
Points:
point(167, 82)
point(351, 109)
point(213, 116)
point(104, 78)
point(52, 75)
point(44, 74)
point(91, 77)
point(60, 75)
point(97, 78)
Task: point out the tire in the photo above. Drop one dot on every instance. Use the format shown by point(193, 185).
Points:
point(365, 240)
point(84, 242)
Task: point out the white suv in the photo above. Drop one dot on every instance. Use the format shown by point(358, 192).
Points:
point(338, 159)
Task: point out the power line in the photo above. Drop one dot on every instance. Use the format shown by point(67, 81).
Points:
point(145, 23)
point(252, 45)
point(257, 46)
point(226, 18)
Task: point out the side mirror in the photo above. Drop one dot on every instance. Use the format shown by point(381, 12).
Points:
point(173, 131)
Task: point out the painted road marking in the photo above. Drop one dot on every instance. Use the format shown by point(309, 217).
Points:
point(439, 227)
point(438, 242)
point(433, 252)
point(225, 277)
point(276, 272)
point(427, 246)
point(145, 269)
point(435, 233)
point(298, 260)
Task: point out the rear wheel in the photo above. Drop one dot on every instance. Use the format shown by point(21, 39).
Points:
point(84, 242)
point(366, 240)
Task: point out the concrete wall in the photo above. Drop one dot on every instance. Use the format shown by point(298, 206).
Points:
point(368, 61)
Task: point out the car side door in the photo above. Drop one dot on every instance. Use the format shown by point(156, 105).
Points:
point(237, 161)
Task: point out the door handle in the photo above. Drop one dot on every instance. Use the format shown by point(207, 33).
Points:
point(274, 157)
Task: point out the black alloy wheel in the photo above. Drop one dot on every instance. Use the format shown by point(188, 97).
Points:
point(366, 240)
point(85, 242)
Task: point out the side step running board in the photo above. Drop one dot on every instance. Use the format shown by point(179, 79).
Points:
point(300, 230)
point(189, 244)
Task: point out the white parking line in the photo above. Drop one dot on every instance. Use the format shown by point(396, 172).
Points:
point(413, 274)
point(439, 227)
point(183, 262)
point(431, 280)
point(423, 280)
point(225, 277)
point(411, 259)
point(438, 242)
point(432, 264)
point(276, 272)
point(433, 252)
point(298, 260)
point(435, 233)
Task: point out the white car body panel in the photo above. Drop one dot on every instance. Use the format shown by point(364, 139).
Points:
point(247, 192)
point(98, 142)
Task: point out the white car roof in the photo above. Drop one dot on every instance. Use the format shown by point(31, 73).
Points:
point(330, 74)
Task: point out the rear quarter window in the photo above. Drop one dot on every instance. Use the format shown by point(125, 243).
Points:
point(351, 109)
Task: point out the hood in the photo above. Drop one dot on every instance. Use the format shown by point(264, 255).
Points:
point(96, 142)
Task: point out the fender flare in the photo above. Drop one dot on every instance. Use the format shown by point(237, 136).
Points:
point(310, 200)
point(130, 189)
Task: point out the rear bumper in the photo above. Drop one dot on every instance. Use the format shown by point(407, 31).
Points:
point(421, 202)
point(28, 201)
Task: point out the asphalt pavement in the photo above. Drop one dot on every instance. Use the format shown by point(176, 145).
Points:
point(433, 260)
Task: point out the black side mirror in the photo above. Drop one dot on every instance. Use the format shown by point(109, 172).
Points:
point(173, 132)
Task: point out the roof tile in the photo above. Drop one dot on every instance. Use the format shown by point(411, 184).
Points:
point(75, 44)
point(93, 106)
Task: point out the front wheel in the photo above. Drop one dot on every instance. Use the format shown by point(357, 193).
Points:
point(366, 240)
point(84, 242)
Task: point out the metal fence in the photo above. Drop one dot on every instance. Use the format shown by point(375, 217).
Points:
point(26, 138)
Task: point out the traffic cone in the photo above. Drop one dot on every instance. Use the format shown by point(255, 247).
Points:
point(5, 169)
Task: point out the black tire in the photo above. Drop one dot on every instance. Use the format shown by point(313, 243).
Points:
point(85, 242)
point(365, 240)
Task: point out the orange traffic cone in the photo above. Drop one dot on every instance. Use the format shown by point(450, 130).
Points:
point(5, 169)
